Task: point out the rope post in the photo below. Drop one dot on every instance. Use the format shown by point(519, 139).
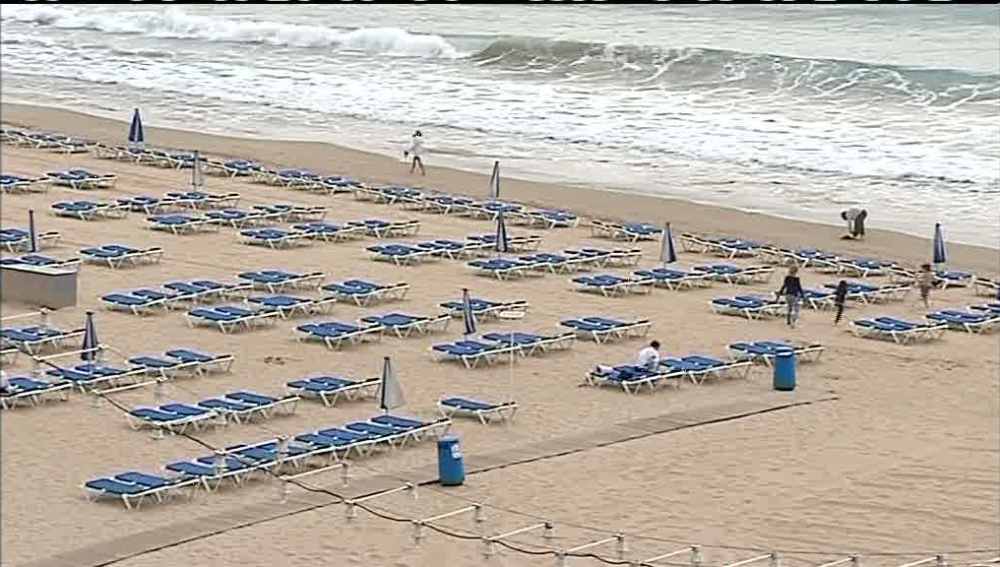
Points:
point(775, 562)
point(696, 557)
point(418, 531)
point(489, 548)
point(477, 514)
point(349, 512)
point(940, 562)
point(560, 559)
point(620, 544)
point(344, 477)
point(855, 561)
point(547, 531)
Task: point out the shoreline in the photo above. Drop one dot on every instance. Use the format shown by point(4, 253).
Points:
point(684, 215)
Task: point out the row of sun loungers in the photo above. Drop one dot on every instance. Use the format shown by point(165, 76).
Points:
point(40, 140)
point(897, 330)
point(335, 334)
point(630, 232)
point(416, 199)
point(495, 346)
point(89, 210)
point(34, 339)
point(39, 260)
point(242, 462)
point(118, 256)
point(233, 407)
point(94, 376)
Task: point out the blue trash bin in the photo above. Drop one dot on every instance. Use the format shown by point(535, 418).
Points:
point(784, 370)
point(451, 467)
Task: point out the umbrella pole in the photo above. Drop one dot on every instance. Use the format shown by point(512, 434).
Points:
point(510, 377)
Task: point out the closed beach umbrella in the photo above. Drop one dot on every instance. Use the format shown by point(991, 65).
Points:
point(136, 136)
point(495, 181)
point(390, 392)
point(468, 318)
point(31, 231)
point(940, 257)
point(90, 344)
point(668, 254)
point(501, 245)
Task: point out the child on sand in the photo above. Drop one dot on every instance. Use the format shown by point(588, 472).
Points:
point(925, 281)
point(839, 300)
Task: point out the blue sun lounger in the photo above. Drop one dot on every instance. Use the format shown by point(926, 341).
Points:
point(17, 183)
point(400, 254)
point(505, 269)
point(203, 200)
point(296, 213)
point(39, 260)
point(229, 318)
point(517, 243)
point(175, 418)
point(178, 223)
point(329, 389)
point(471, 353)
point(555, 263)
point(529, 344)
point(446, 204)
point(88, 210)
point(897, 330)
point(451, 249)
point(363, 292)
point(550, 218)
point(117, 255)
point(483, 411)
point(699, 368)
point(988, 308)
point(82, 179)
point(145, 204)
point(868, 293)
point(380, 228)
point(608, 257)
point(485, 308)
point(403, 325)
point(233, 167)
point(15, 239)
point(132, 488)
point(32, 391)
point(238, 218)
point(749, 306)
point(764, 352)
point(134, 304)
point(610, 285)
point(865, 267)
point(631, 379)
point(605, 329)
point(275, 281)
point(273, 238)
point(206, 290)
point(978, 322)
point(674, 279)
point(411, 428)
point(91, 376)
point(329, 232)
point(290, 306)
point(733, 274)
point(335, 334)
point(33, 339)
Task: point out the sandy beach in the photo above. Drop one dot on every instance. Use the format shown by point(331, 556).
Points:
point(883, 450)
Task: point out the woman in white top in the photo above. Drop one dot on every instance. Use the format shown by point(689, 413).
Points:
point(416, 149)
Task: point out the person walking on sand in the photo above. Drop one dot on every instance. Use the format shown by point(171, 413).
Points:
point(416, 149)
point(925, 281)
point(649, 357)
point(840, 300)
point(791, 288)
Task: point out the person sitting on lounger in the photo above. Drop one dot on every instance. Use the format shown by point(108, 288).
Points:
point(416, 149)
point(649, 357)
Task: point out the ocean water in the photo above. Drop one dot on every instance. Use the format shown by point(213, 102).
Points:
point(797, 111)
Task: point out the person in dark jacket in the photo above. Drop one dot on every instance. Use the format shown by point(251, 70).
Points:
point(839, 300)
point(791, 289)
